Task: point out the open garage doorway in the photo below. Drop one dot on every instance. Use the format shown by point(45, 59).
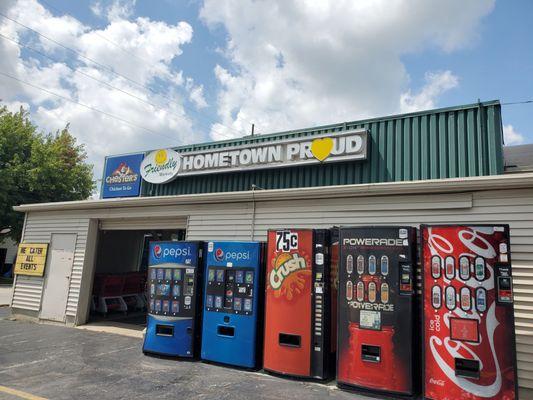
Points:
point(118, 300)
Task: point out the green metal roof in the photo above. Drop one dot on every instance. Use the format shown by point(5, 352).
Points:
point(443, 143)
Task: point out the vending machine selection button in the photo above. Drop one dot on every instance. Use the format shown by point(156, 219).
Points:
point(360, 264)
point(349, 264)
point(372, 265)
point(479, 268)
point(466, 300)
point(436, 266)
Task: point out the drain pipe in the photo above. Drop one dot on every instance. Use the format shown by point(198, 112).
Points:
point(252, 229)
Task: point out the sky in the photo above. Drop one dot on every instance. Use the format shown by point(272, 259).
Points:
point(135, 75)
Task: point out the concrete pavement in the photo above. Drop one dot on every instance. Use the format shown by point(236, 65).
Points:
point(56, 362)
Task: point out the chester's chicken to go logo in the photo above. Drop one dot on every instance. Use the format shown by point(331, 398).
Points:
point(288, 275)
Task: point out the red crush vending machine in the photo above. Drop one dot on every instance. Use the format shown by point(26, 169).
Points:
point(376, 317)
point(297, 311)
point(468, 326)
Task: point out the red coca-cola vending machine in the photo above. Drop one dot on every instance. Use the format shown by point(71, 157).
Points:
point(468, 321)
point(298, 309)
point(376, 349)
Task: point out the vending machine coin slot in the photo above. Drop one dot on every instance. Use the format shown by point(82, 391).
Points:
point(406, 279)
point(164, 330)
point(189, 284)
point(228, 331)
point(504, 284)
point(286, 339)
point(467, 368)
point(370, 353)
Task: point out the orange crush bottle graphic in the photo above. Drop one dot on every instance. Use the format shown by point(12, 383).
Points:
point(288, 277)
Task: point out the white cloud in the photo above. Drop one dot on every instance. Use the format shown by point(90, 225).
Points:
point(146, 51)
point(436, 84)
point(97, 8)
point(512, 137)
point(196, 93)
point(305, 63)
point(118, 9)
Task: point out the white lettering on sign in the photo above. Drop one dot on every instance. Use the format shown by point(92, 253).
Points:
point(164, 165)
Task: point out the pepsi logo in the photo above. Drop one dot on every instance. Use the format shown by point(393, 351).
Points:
point(219, 254)
point(157, 251)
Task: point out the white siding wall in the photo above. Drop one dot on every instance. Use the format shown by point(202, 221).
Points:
point(233, 221)
point(27, 291)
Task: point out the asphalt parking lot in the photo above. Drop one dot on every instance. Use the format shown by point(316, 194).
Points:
point(56, 362)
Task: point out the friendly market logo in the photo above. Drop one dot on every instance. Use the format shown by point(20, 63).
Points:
point(122, 174)
point(160, 166)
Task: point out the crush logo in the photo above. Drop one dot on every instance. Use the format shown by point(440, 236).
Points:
point(219, 254)
point(158, 251)
point(285, 266)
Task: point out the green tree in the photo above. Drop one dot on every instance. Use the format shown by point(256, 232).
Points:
point(38, 168)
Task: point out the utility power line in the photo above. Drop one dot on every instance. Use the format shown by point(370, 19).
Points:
point(86, 106)
point(62, 11)
point(110, 69)
point(517, 102)
point(77, 71)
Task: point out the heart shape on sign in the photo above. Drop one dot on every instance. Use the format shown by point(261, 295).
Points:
point(321, 148)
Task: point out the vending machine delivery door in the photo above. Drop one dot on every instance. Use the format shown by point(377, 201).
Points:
point(468, 324)
point(173, 326)
point(232, 303)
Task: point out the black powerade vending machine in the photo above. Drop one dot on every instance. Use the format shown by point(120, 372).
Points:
point(468, 326)
point(376, 310)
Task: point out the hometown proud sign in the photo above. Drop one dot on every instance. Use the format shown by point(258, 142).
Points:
point(161, 166)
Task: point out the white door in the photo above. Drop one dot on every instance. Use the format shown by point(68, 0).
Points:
point(57, 280)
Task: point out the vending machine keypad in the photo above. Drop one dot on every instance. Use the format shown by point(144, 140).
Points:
point(230, 290)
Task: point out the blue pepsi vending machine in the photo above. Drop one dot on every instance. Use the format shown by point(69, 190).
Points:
point(174, 293)
point(233, 297)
